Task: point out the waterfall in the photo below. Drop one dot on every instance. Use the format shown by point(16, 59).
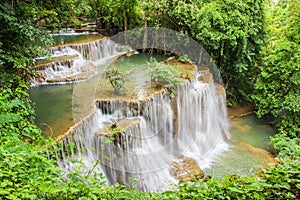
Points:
point(91, 51)
point(150, 136)
point(73, 62)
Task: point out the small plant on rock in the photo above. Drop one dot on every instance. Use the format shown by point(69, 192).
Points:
point(163, 75)
point(117, 79)
point(184, 59)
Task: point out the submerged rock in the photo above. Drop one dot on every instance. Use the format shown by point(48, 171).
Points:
point(267, 156)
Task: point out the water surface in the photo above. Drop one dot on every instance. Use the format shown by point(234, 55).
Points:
point(249, 150)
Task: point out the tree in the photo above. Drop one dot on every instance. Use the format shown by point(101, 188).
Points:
point(116, 78)
point(18, 49)
point(278, 83)
point(114, 14)
point(231, 31)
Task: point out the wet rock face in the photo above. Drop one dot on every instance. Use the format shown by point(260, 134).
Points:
point(108, 106)
point(186, 169)
point(39, 77)
point(52, 73)
point(73, 62)
point(206, 77)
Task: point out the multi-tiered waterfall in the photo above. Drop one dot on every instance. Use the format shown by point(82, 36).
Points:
point(72, 62)
point(151, 140)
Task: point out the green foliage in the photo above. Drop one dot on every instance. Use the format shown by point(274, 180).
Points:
point(114, 14)
point(155, 13)
point(231, 31)
point(283, 180)
point(18, 36)
point(117, 79)
point(18, 48)
point(55, 14)
point(286, 147)
point(27, 173)
point(232, 187)
point(82, 8)
point(277, 85)
point(163, 75)
point(184, 59)
point(23, 169)
point(16, 114)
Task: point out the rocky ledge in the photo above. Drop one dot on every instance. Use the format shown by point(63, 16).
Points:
point(86, 70)
point(186, 169)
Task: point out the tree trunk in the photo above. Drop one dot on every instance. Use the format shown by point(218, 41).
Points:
point(125, 29)
point(145, 39)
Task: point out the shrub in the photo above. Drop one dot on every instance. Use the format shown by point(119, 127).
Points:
point(184, 59)
point(164, 76)
point(117, 79)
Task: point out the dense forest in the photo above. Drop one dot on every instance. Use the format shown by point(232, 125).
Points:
point(255, 44)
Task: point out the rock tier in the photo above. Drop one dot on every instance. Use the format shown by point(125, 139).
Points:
point(186, 169)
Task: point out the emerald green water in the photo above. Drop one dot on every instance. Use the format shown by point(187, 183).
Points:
point(251, 130)
point(249, 143)
point(53, 105)
point(249, 150)
point(74, 38)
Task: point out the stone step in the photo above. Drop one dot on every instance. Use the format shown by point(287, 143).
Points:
point(42, 64)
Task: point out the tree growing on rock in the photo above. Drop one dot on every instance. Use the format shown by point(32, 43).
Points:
point(117, 79)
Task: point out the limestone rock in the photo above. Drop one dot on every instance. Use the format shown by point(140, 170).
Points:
point(206, 77)
point(186, 169)
point(220, 89)
point(39, 77)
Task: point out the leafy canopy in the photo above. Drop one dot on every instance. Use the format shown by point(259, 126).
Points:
point(277, 85)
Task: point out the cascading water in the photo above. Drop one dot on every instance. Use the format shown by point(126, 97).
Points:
point(72, 62)
point(91, 51)
point(156, 139)
point(150, 136)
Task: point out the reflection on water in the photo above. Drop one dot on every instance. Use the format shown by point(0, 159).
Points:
point(75, 38)
point(53, 105)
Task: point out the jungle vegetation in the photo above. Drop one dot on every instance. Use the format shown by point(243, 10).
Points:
point(255, 44)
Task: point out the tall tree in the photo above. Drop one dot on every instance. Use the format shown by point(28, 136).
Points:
point(114, 14)
point(19, 45)
point(231, 31)
point(278, 83)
